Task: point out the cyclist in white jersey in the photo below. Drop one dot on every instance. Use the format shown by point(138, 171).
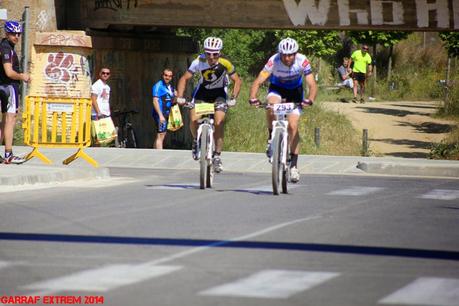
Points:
point(286, 71)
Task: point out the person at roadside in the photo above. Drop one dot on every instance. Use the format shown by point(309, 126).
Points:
point(286, 70)
point(345, 74)
point(211, 89)
point(163, 95)
point(100, 96)
point(361, 70)
point(10, 78)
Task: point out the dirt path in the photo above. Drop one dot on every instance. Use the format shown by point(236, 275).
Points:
point(402, 128)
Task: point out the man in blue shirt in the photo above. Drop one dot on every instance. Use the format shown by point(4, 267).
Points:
point(163, 94)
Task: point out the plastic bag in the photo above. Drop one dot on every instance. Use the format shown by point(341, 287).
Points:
point(175, 121)
point(103, 130)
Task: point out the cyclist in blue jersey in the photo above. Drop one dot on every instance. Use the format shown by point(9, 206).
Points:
point(286, 70)
point(163, 95)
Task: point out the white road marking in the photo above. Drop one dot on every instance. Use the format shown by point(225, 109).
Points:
point(103, 279)
point(441, 194)
point(275, 284)
point(4, 264)
point(427, 291)
point(356, 191)
point(182, 186)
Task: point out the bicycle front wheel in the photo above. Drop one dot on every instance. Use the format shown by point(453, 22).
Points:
point(276, 163)
point(131, 141)
point(203, 164)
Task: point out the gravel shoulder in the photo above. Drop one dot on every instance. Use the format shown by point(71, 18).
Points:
point(400, 128)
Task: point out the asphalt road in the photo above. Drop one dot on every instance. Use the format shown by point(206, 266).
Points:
point(151, 237)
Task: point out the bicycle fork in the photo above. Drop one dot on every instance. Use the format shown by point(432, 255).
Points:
point(283, 126)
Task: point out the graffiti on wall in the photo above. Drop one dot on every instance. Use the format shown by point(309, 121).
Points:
point(42, 20)
point(114, 4)
point(63, 40)
point(302, 12)
point(62, 72)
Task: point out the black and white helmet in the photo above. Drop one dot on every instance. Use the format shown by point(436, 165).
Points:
point(288, 46)
point(213, 44)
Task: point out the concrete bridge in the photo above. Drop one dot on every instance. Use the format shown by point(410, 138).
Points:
point(417, 15)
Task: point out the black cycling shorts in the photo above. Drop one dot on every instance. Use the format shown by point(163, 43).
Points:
point(290, 95)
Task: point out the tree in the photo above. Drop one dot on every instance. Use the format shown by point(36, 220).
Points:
point(451, 43)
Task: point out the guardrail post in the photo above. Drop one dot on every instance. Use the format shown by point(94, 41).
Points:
point(317, 136)
point(365, 142)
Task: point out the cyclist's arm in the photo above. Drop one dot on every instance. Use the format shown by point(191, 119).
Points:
point(10, 73)
point(182, 83)
point(262, 77)
point(312, 85)
point(237, 85)
point(158, 109)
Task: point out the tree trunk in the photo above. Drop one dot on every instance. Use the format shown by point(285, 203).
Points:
point(389, 65)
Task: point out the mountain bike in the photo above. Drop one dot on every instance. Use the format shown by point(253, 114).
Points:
point(125, 132)
point(206, 143)
point(280, 148)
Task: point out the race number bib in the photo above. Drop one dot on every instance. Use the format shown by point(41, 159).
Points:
point(204, 108)
point(283, 108)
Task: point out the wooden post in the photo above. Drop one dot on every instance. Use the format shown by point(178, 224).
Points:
point(365, 142)
point(317, 137)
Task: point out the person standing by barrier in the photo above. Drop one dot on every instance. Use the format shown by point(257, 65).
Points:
point(10, 78)
point(360, 73)
point(100, 96)
point(163, 95)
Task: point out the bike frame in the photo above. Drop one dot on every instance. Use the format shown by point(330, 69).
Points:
point(205, 140)
point(280, 145)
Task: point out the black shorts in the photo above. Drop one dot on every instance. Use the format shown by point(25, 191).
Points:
point(290, 95)
point(9, 96)
point(359, 76)
point(209, 95)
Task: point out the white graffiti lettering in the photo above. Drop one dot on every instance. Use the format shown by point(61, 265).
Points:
point(440, 7)
point(298, 12)
point(379, 12)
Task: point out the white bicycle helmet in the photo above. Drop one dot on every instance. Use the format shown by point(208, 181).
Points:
point(288, 46)
point(213, 44)
point(13, 27)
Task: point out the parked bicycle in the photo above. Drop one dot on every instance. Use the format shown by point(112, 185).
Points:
point(280, 147)
point(126, 135)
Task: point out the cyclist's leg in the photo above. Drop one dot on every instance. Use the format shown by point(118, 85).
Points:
point(294, 139)
point(219, 121)
point(273, 97)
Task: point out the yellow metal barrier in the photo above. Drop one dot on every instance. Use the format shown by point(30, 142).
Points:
point(57, 123)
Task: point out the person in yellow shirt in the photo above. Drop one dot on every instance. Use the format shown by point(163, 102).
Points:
point(361, 70)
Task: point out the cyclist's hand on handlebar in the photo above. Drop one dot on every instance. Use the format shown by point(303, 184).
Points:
point(181, 101)
point(307, 102)
point(254, 102)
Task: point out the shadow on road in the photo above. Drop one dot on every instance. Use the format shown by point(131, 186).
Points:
point(391, 112)
point(288, 246)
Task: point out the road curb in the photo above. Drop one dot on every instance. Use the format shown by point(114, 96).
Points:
point(400, 168)
point(12, 176)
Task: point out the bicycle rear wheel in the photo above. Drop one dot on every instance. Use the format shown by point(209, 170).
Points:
point(203, 164)
point(131, 141)
point(276, 163)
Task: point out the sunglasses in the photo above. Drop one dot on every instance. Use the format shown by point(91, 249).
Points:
point(365, 49)
point(15, 34)
point(214, 54)
point(168, 75)
point(105, 73)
